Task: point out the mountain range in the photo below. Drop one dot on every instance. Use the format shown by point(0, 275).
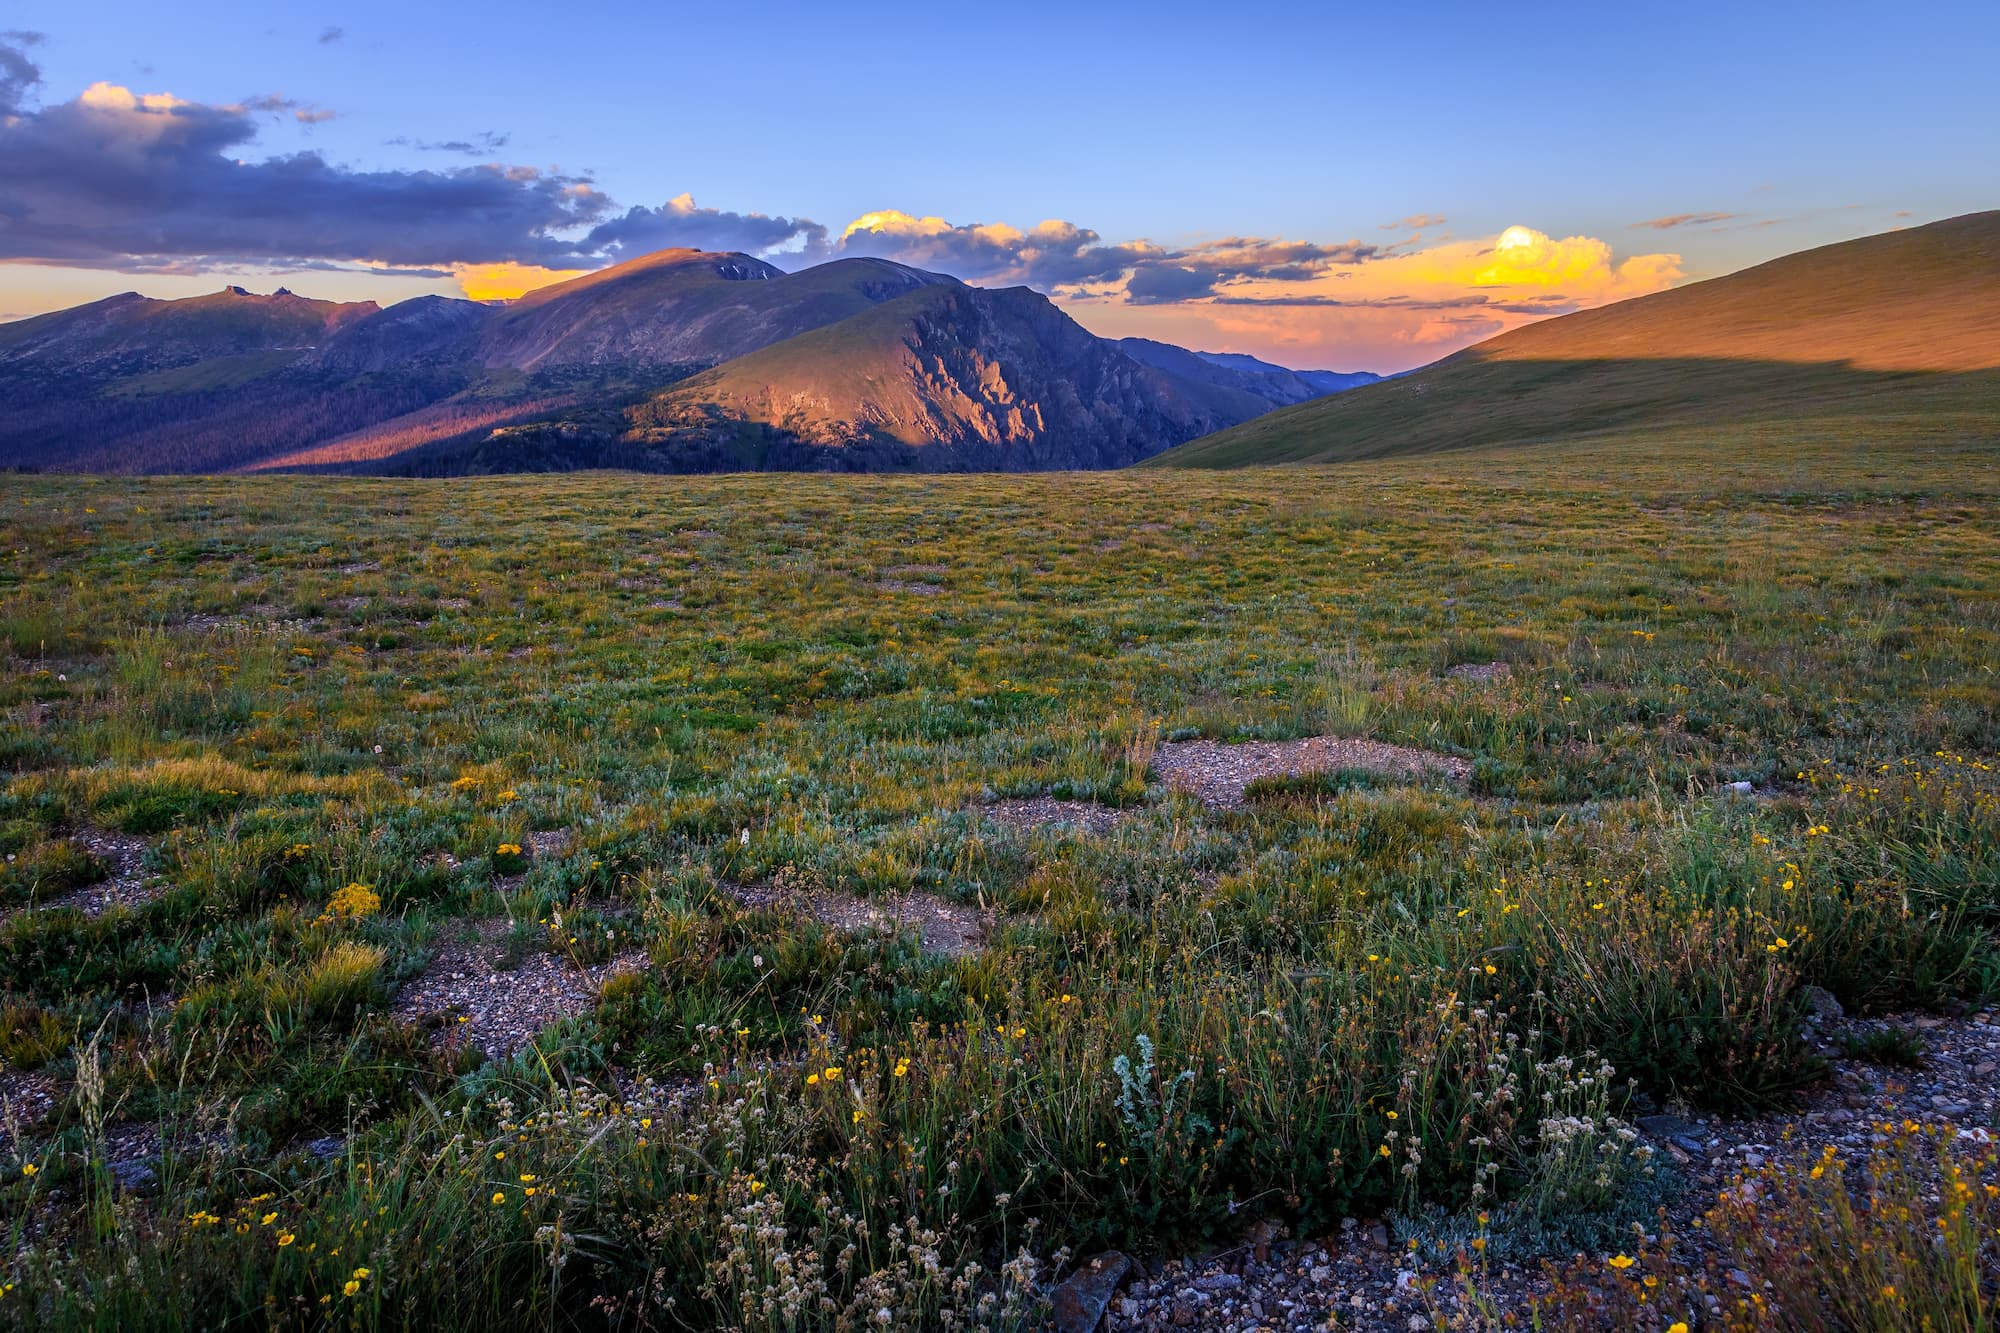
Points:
point(677, 361)
point(1905, 323)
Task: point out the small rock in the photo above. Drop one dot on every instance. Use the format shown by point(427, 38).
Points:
point(1081, 1300)
point(135, 1177)
point(1218, 1282)
point(1822, 1003)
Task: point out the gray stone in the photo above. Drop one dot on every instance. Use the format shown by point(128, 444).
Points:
point(1081, 1300)
point(1672, 1129)
point(137, 1176)
point(1218, 1282)
point(1822, 1004)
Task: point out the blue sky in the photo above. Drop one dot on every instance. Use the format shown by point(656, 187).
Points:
point(1175, 126)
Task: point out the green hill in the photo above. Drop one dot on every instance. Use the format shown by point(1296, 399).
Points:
point(1890, 325)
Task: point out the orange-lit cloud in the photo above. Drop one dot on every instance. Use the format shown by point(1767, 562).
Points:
point(1387, 310)
point(504, 282)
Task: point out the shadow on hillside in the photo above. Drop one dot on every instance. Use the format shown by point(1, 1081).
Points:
point(1469, 402)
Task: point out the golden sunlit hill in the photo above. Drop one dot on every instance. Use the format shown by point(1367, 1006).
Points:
point(1894, 325)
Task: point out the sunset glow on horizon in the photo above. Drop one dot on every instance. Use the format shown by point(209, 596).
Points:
point(1390, 221)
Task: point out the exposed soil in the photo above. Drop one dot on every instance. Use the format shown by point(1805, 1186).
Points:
point(1363, 1277)
point(948, 928)
point(1481, 671)
point(899, 585)
point(1047, 812)
point(1216, 774)
point(500, 1012)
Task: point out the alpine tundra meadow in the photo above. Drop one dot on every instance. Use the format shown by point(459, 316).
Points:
point(613, 765)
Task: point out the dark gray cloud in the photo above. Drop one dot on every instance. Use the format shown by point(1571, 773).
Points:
point(1684, 220)
point(328, 36)
point(114, 179)
point(1193, 274)
point(1054, 254)
point(682, 224)
point(18, 74)
point(1164, 284)
point(1061, 255)
point(483, 144)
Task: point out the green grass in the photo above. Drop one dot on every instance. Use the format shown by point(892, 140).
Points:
point(1305, 1009)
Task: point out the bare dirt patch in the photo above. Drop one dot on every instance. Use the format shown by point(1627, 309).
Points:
point(952, 929)
point(1216, 774)
point(500, 1012)
point(1480, 671)
point(1027, 815)
point(917, 589)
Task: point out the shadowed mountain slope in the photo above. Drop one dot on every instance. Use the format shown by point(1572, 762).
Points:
point(1908, 321)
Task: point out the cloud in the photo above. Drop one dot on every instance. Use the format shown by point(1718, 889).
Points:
point(1051, 254)
point(328, 36)
point(1061, 257)
point(18, 74)
point(681, 224)
point(1416, 222)
point(504, 282)
point(1684, 220)
point(1387, 309)
point(483, 144)
point(115, 178)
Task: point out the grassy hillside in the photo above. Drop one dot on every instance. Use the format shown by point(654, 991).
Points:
point(1888, 326)
point(284, 756)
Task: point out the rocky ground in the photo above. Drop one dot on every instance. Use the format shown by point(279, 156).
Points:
point(1216, 773)
point(946, 927)
point(1363, 1277)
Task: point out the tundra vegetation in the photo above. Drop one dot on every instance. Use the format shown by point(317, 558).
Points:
point(353, 724)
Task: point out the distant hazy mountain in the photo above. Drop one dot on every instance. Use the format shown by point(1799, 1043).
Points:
point(1275, 385)
point(1319, 382)
point(1904, 322)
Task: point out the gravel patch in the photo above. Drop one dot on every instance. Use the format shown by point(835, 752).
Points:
point(1481, 671)
point(128, 885)
point(26, 1098)
point(952, 929)
point(1216, 774)
point(1046, 812)
point(500, 1012)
